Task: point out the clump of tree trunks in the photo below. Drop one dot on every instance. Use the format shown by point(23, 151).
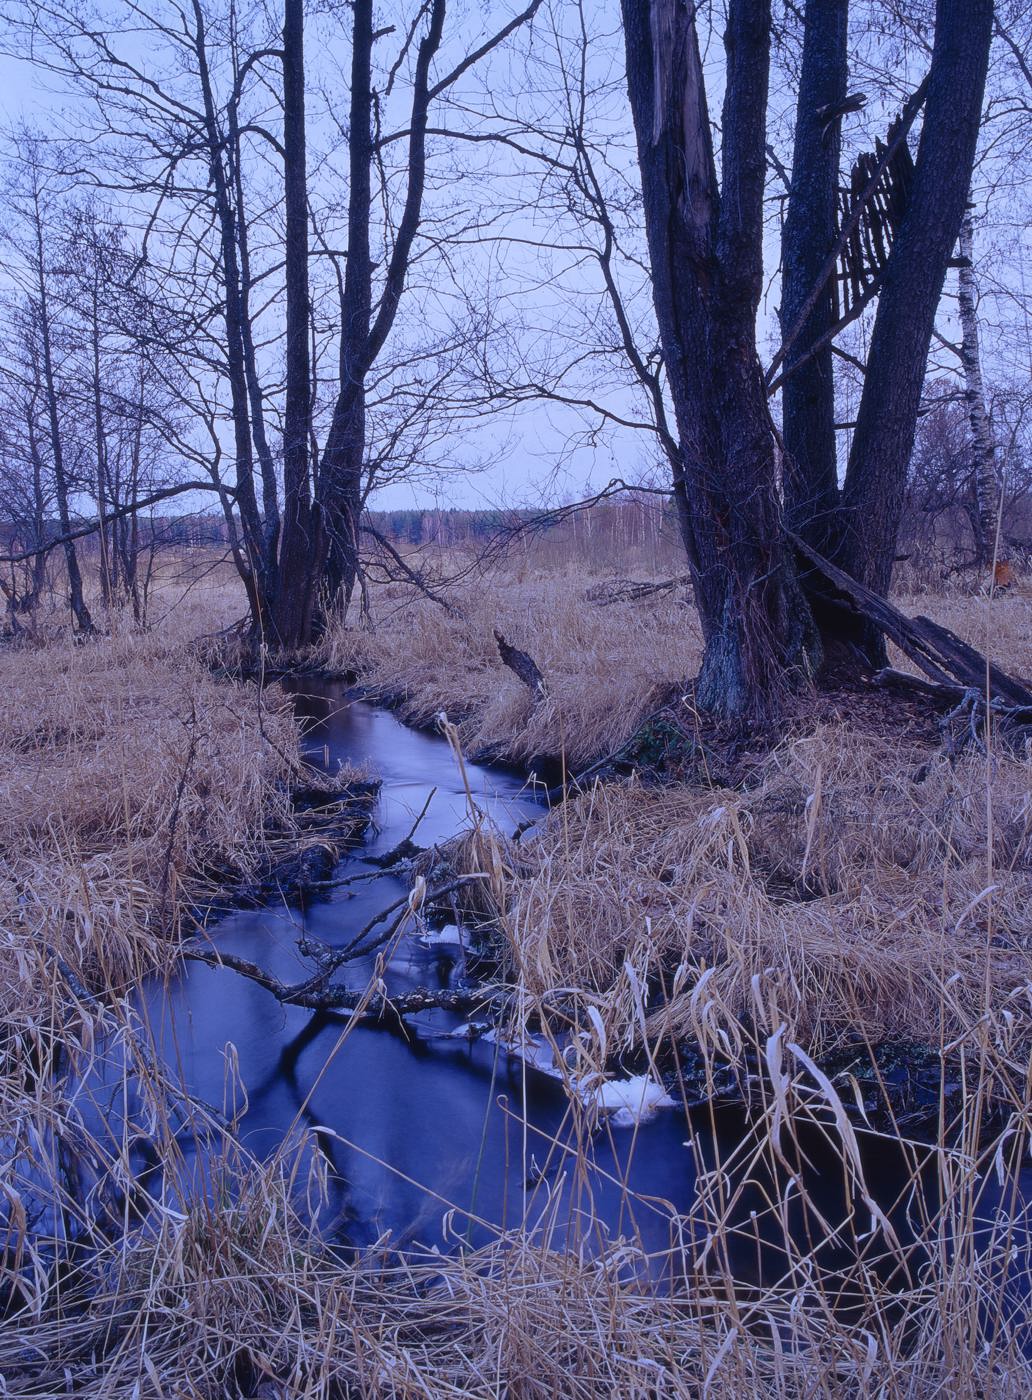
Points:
point(768, 615)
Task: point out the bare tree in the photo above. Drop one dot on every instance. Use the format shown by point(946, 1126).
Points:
point(207, 123)
point(32, 202)
point(986, 482)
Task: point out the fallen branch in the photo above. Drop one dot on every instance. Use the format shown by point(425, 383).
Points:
point(366, 1006)
point(629, 590)
point(314, 992)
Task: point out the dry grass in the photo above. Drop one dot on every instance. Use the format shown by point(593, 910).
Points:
point(853, 892)
point(237, 1295)
point(834, 894)
point(605, 668)
point(127, 773)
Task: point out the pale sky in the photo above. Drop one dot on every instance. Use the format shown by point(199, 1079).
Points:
point(534, 449)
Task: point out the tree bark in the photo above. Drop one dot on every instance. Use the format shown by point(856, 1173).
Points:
point(985, 478)
point(872, 498)
point(296, 593)
point(705, 247)
point(340, 474)
point(808, 237)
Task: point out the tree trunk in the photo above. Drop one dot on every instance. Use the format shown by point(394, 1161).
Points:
point(808, 237)
point(39, 510)
point(342, 485)
point(99, 434)
point(340, 475)
point(986, 481)
point(76, 598)
point(270, 523)
point(296, 591)
point(251, 563)
point(705, 247)
point(872, 498)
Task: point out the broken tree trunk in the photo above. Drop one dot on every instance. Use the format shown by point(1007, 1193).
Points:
point(521, 665)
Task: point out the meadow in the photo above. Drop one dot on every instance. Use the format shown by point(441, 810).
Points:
point(788, 920)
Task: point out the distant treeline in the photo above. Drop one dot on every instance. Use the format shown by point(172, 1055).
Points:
point(633, 521)
point(184, 531)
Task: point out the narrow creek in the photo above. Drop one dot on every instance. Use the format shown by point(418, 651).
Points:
point(434, 1138)
point(415, 1126)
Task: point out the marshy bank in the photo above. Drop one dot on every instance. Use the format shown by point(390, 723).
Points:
point(228, 1241)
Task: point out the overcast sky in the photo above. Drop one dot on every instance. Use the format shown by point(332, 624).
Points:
point(551, 303)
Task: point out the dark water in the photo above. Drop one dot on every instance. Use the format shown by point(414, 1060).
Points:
point(418, 1124)
point(435, 1138)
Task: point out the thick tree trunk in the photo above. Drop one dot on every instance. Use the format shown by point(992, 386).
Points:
point(706, 262)
point(872, 498)
point(808, 237)
point(340, 474)
point(297, 581)
point(985, 479)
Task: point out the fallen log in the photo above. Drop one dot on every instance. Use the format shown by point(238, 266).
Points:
point(629, 590)
point(947, 660)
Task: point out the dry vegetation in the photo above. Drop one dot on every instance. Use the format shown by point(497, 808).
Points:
point(860, 895)
point(854, 886)
point(605, 668)
point(128, 773)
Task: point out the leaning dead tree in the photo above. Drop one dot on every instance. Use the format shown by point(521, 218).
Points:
point(956, 672)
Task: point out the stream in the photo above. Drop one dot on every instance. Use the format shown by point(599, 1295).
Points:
point(436, 1138)
point(431, 1125)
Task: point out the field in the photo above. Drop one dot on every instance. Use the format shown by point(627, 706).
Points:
point(802, 913)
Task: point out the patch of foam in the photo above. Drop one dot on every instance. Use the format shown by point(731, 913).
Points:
point(437, 937)
point(630, 1101)
point(624, 1101)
